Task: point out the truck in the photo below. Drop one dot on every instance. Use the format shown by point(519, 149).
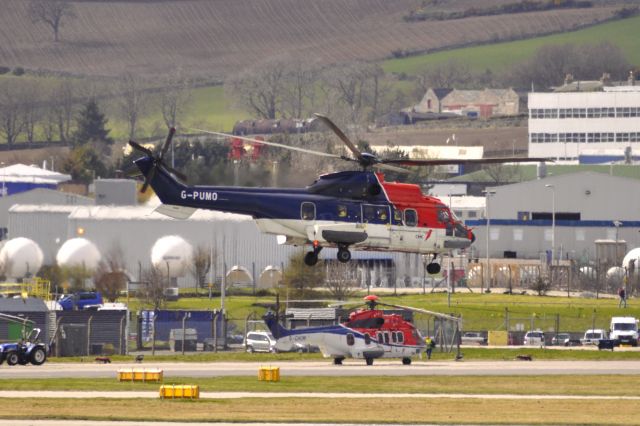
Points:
point(81, 300)
point(624, 330)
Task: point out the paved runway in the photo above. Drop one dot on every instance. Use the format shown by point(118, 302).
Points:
point(325, 368)
point(350, 395)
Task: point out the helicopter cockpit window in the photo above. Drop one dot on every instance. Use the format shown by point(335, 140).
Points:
point(397, 215)
point(410, 217)
point(400, 337)
point(308, 211)
point(342, 210)
point(443, 216)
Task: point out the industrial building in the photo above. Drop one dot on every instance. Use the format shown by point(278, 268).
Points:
point(587, 207)
point(236, 241)
point(592, 126)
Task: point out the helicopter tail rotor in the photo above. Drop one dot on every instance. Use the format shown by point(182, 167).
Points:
point(157, 161)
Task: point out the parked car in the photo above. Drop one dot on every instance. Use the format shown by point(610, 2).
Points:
point(593, 336)
point(473, 338)
point(534, 338)
point(561, 339)
point(260, 341)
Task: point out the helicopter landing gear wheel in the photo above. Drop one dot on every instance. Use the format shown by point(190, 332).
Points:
point(406, 361)
point(344, 255)
point(311, 258)
point(433, 268)
point(369, 361)
point(338, 360)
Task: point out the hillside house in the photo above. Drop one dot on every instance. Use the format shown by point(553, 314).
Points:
point(472, 103)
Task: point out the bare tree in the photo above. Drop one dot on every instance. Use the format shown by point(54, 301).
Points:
point(301, 280)
point(11, 117)
point(502, 173)
point(551, 63)
point(75, 277)
point(357, 88)
point(175, 98)
point(31, 109)
point(151, 290)
point(200, 264)
point(132, 100)
point(340, 281)
point(299, 89)
point(109, 277)
point(52, 13)
point(448, 75)
point(63, 105)
point(260, 89)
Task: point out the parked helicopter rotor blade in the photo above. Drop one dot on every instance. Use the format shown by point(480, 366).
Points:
point(422, 311)
point(279, 145)
point(330, 124)
point(448, 161)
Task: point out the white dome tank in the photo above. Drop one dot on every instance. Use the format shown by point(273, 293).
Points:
point(78, 252)
point(588, 271)
point(20, 257)
point(615, 274)
point(173, 250)
point(633, 254)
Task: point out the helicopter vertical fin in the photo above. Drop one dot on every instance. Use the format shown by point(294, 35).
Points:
point(274, 326)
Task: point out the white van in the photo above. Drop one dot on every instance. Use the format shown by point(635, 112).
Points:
point(624, 330)
point(593, 336)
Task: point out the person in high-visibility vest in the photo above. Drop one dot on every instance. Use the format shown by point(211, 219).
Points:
point(430, 343)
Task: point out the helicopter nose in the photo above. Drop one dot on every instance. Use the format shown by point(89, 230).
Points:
point(472, 237)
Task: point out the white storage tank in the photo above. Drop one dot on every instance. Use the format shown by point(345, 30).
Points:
point(173, 255)
point(20, 257)
point(632, 255)
point(78, 252)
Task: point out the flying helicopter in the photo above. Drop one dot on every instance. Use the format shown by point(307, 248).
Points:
point(346, 210)
point(368, 333)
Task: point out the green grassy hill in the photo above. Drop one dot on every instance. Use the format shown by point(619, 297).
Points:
point(495, 57)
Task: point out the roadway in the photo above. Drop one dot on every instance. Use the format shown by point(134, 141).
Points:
point(326, 368)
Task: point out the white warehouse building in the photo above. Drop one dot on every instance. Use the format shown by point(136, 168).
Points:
point(568, 125)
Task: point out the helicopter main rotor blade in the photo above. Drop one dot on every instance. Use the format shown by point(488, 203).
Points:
point(391, 168)
point(423, 311)
point(326, 120)
point(448, 161)
point(279, 145)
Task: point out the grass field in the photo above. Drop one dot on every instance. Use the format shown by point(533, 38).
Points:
point(499, 56)
point(479, 311)
point(336, 410)
point(603, 385)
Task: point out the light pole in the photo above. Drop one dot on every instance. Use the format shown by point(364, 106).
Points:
point(617, 224)
point(487, 274)
point(553, 225)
